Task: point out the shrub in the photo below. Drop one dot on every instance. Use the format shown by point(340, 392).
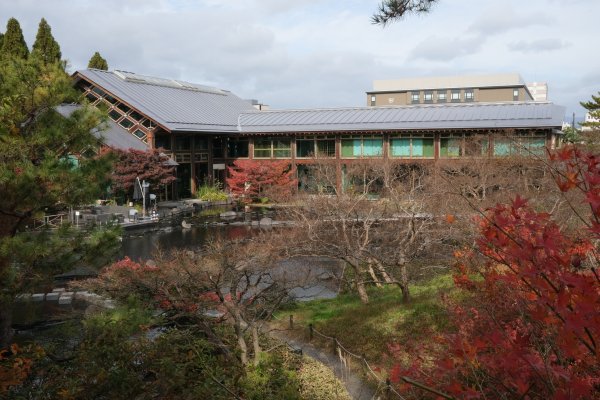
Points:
point(212, 193)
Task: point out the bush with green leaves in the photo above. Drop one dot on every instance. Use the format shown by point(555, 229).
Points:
point(212, 193)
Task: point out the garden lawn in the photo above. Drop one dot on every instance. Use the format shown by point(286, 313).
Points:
point(369, 329)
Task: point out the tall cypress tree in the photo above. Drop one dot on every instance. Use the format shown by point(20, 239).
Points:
point(13, 45)
point(45, 47)
point(98, 62)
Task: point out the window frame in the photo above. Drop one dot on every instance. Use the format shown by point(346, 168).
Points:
point(412, 137)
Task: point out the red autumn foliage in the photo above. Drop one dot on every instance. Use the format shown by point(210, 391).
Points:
point(147, 165)
point(251, 179)
point(533, 329)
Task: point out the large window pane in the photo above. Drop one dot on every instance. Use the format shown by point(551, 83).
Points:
point(372, 147)
point(417, 147)
point(237, 148)
point(449, 147)
point(427, 147)
point(348, 148)
point(305, 148)
point(400, 147)
point(262, 148)
point(182, 143)
point(502, 146)
point(282, 148)
point(326, 148)
point(537, 145)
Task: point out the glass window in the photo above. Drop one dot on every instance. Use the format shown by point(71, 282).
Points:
point(414, 97)
point(450, 146)
point(123, 108)
point(502, 146)
point(282, 148)
point(91, 98)
point(362, 147)
point(126, 123)
point(139, 134)
point(163, 141)
point(429, 96)
point(326, 148)
point(408, 146)
point(400, 147)
point(455, 95)
point(200, 143)
point(136, 115)
point(372, 147)
point(305, 148)
point(182, 143)
point(114, 114)
point(373, 100)
point(441, 96)
point(537, 145)
point(98, 91)
point(148, 123)
point(262, 148)
point(515, 94)
point(469, 95)
point(110, 99)
point(218, 147)
point(237, 147)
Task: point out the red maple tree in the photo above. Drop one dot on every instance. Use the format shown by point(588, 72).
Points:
point(251, 179)
point(150, 166)
point(532, 329)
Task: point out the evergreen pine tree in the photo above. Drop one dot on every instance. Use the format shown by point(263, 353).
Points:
point(45, 47)
point(38, 142)
point(593, 108)
point(13, 45)
point(1, 40)
point(98, 62)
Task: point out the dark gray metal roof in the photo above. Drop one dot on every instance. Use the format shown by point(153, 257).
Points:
point(176, 105)
point(111, 134)
point(431, 116)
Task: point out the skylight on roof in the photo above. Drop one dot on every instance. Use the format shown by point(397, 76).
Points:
point(150, 80)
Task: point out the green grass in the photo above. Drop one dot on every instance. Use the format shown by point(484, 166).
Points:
point(370, 328)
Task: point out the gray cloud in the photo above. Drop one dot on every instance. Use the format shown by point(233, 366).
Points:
point(539, 45)
point(436, 48)
point(503, 19)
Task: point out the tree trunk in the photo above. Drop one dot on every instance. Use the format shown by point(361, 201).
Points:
point(360, 284)
point(6, 332)
point(373, 276)
point(404, 283)
point(256, 344)
point(386, 277)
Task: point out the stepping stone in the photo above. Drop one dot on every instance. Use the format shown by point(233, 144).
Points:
point(38, 297)
point(58, 290)
point(52, 296)
point(66, 298)
point(23, 297)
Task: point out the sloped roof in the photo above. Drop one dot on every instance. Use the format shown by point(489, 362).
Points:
point(433, 116)
point(112, 135)
point(176, 105)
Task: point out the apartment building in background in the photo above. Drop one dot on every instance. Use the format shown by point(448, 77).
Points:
point(449, 89)
point(538, 90)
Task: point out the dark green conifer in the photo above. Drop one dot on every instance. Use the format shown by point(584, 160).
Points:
point(45, 47)
point(13, 44)
point(1, 40)
point(98, 62)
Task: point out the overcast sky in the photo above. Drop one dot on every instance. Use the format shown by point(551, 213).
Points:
point(325, 53)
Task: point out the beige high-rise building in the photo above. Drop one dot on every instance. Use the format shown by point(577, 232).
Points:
point(538, 90)
point(449, 89)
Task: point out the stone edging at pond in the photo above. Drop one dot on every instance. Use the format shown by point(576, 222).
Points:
point(63, 297)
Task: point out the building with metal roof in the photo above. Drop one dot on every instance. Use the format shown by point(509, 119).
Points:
point(422, 117)
point(206, 129)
